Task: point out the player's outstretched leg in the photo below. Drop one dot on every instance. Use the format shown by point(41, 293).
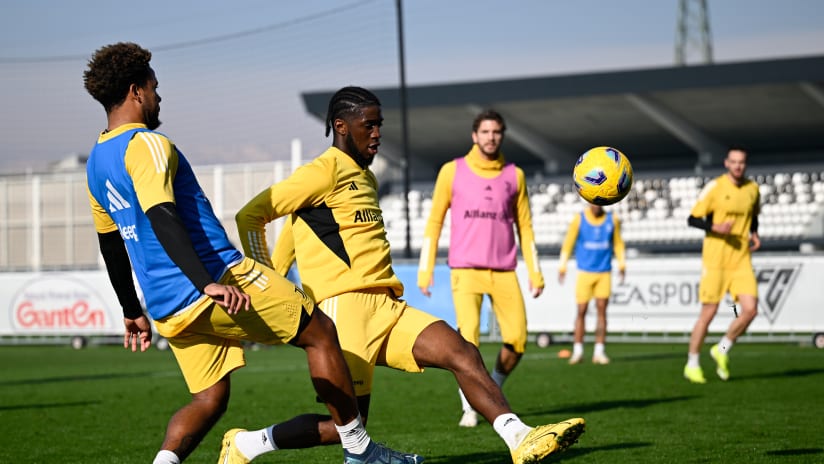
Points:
point(547, 439)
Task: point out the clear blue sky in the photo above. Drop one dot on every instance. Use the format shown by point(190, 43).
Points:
point(231, 72)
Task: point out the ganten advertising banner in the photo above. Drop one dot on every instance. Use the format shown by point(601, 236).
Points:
point(78, 303)
point(659, 295)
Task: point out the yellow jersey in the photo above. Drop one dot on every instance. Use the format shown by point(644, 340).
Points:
point(337, 232)
point(721, 201)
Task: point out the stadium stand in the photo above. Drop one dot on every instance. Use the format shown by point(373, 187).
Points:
point(654, 214)
point(46, 224)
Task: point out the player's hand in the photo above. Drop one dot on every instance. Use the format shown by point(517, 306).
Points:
point(425, 288)
point(756, 241)
point(536, 291)
point(561, 276)
point(138, 332)
point(229, 297)
point(722, 228)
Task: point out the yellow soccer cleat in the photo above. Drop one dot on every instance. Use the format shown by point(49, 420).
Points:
point(694, 374)
point(229, 454)
point(544, 440)
point(721, 362)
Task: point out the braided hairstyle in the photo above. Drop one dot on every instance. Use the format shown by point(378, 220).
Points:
point(346, 102)
point(113, 69)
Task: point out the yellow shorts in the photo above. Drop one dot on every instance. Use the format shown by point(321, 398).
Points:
point(375, 328)
point(593, 285)
point(716, 282)
point(206, 340)
point(468, 289)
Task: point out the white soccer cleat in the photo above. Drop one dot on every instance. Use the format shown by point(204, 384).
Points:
point(600, 359)
point(576, 358)
point(469, 419)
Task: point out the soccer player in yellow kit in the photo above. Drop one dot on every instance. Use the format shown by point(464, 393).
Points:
point(727, 209)
point(595, 236)
point(487, 200)
point(343, 258)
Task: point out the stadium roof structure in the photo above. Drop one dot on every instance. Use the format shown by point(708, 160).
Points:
point(674, 118)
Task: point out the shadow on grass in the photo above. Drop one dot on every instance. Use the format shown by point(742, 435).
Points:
point(499, 458)
point(70, 404)
point(578, 451)
point(648, 356)
point(772, 375)
point(73, 378)
point(795, 452)
point(605, 405)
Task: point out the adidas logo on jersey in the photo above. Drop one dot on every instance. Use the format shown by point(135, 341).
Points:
point(116, 200)
point(352, 186)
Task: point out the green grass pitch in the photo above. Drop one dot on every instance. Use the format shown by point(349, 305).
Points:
point(104, 404)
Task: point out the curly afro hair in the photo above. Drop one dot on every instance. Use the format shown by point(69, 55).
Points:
point(113, 69)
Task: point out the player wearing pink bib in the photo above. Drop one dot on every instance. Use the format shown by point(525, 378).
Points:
point(486, 197)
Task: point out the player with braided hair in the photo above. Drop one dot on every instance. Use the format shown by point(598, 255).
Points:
point(335, 231)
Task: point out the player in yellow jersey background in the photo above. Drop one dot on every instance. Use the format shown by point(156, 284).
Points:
point(727, 209)
point(595, 237)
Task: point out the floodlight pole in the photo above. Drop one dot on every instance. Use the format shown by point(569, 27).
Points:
point(407, 252)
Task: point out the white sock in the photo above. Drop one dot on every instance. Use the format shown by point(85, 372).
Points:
point(166, 457)
point(511, 429)
point(255, 442)
point(577, 349)
point(692, 360)
point(725, 345)
point(498, 377)
point(353, 436)
point(599, 349)
point(464, 402)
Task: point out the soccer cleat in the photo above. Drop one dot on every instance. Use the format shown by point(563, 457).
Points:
point(600, 359)
point(721, 361)
point(544, 440)
point(694, 374)
point(229, 454)
point(575, 358)
point(379, 454)
point(469, 419)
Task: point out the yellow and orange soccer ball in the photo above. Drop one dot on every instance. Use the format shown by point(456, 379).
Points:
point(602, 176)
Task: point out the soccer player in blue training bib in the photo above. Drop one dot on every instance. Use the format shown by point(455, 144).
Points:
point(205, 297)
point(595, 237)
point(727, 210)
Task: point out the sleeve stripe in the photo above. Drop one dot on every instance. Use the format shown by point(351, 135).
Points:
point(156, 149)
point(423, 262)
point(257, 247)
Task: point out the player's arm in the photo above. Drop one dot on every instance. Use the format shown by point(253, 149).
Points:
point(118, 266)
point(567, 245)
point(441, 200)
point(526, 237)
point(754, 237)
point(119, 269)
point(618, 247)
point(307, 186)
point(283, 254)
point(151, 161)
